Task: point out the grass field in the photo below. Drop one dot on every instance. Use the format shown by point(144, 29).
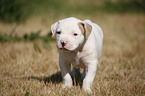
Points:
point(121, 69)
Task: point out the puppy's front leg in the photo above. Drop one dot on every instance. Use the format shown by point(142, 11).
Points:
point(65, 73)
point(90, 74)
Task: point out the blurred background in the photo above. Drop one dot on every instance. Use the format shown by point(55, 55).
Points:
point(21, 10)
point(18, 17)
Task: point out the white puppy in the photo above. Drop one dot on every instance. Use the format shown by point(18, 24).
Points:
point(80, 44)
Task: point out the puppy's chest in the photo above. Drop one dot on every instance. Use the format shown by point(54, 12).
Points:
point(77, 61)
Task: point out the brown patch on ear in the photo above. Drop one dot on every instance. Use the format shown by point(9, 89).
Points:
point(85, 28)
point(81, 26)
point(88, 30)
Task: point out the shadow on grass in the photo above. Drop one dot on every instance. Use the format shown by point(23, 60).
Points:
point(54, 78)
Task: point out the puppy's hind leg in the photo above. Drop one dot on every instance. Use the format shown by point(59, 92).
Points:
point(76, 75)
point(84, 74)
point(75, 72)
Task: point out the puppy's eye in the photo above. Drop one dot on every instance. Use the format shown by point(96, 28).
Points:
point(58, 32)
point(75, 34)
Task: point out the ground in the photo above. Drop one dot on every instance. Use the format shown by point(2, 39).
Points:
point(121, 69)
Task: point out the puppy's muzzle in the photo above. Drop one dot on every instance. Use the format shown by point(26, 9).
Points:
point(63, 43)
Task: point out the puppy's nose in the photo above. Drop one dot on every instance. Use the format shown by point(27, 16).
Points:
point(63, 43)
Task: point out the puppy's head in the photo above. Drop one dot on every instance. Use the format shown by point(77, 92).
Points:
point(70, 33)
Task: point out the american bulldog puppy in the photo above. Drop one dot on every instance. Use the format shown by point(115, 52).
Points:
point(80, 44)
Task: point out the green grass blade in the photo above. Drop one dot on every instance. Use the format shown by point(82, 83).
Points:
point(36, 47)
point(46, 45)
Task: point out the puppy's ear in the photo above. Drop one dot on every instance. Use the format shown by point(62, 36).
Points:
point(82, 27)
point(53, 28)
point(85, 28)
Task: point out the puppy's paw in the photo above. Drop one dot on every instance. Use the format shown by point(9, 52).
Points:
point(67, 85)
point(87, 86)
point(88, 90)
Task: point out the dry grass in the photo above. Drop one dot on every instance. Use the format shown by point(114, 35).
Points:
point(121, 70)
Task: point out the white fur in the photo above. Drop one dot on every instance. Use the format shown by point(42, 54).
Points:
point(78, 51)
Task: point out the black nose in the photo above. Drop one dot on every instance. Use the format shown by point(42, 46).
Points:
point(63, 44)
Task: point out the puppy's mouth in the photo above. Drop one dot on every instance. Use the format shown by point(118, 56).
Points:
point(64, 49)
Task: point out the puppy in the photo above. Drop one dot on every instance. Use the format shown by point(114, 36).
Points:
point(80, 44)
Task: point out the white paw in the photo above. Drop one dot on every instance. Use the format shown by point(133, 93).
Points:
point(67, 84)
point(88, 90)
point(87, 86)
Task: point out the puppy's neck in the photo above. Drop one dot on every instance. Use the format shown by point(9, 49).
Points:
point(81, 46)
